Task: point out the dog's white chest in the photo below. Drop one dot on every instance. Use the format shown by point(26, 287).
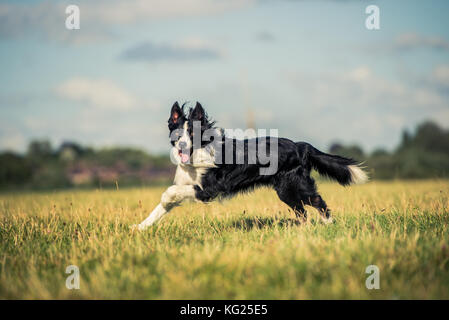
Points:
point(191, 174)
point(188, 175)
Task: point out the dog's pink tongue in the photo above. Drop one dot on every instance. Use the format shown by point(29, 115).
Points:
point(184, 157)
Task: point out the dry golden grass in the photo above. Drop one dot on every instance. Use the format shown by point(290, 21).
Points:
point(247, 247)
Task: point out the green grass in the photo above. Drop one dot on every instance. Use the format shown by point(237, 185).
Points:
point(250, 247)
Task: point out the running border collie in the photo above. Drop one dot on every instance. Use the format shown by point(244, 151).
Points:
point(204, 172)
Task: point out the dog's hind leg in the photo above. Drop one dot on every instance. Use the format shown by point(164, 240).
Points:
point(171, 198)
point(291, 196)
point(310, 196)
point(318, 203)
point(298, 191)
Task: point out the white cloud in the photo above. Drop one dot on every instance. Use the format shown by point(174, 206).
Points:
point(363, 107)
point(408, 41)
point(98, 17)
point(367, 89)
point(441, 117)
point(100, 93)
point(12, 139)
point(195, 42)
point(440, 76)
point(360, 74)
point(132, 11)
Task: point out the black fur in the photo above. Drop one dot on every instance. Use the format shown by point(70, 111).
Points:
point(178, 118)
point(198, 114)
point(176, 122)
point(291, 181)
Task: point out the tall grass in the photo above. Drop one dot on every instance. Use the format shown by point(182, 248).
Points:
point(250, 247)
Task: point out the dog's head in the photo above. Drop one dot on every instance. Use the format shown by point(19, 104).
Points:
point(184, 130)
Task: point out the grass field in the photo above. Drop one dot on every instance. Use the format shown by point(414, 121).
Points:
point(247, 247)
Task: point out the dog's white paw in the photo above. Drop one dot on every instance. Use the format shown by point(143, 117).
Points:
point(136, 227)
point(327, 220)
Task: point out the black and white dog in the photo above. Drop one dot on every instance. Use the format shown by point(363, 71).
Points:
point(212, 165)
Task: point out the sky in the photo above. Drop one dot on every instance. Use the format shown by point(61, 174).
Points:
point(310, 69)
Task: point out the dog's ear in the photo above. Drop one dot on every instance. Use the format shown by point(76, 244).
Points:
point(198, 113)
point(176, 113)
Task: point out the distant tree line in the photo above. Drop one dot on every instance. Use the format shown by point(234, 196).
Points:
point(73, 165)
point(424, 154)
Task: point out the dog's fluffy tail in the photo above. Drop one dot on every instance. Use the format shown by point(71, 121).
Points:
point(344, 170)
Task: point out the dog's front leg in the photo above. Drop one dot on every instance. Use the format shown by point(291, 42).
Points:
point(171, 198)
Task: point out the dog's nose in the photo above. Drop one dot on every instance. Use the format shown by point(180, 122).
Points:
point(183, 145)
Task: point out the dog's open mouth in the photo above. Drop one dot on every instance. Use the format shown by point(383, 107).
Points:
point(184, 156)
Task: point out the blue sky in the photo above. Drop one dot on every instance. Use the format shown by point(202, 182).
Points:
point(307, 68)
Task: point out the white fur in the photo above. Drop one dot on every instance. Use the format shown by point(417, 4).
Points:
point(191, 174)
point(184, 137)
point(358, 176)
point(187, 176)
point(204, 157)
point(171, 198)
point(327, 220)
point(174, 156)
point(154, 216)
